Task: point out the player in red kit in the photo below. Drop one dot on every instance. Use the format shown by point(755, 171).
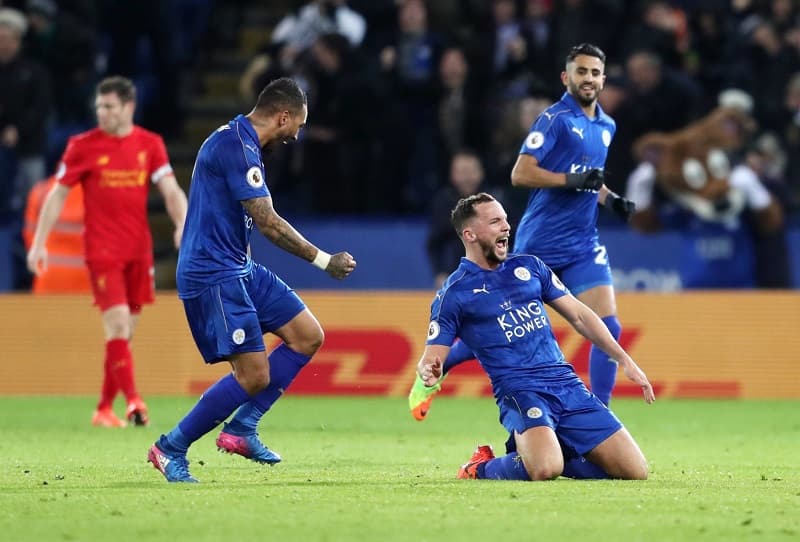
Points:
point(115, 164)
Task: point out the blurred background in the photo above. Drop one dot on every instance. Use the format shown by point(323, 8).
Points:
point(414, 103)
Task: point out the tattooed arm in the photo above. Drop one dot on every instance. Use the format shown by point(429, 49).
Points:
point(283, 235)
point(277, 230)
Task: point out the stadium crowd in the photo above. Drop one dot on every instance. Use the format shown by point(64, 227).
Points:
point(397, 88)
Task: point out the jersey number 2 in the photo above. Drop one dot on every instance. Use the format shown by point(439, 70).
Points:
point(601, 257)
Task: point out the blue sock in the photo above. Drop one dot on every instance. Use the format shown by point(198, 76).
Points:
point(581, 469)
point(214, 406)
point(508, 467)
point(602, 371)
point(459, 353)
point(284, 365)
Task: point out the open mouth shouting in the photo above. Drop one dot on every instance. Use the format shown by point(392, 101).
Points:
point(502, 244)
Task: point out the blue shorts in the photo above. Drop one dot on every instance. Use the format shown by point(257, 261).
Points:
point(592, 270)
point(231, 317)
point(581, 422)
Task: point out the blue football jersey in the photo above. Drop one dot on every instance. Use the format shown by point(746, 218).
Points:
point(500, 315)
point(559, 224)
point(228, 170)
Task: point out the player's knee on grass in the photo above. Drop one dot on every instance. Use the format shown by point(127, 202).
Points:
point(540, 452)
point(634, 470)
point(542, 468)
point(620, 457)
point(641, 473)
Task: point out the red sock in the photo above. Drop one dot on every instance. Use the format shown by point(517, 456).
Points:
point(121, 364)
point(110, 387)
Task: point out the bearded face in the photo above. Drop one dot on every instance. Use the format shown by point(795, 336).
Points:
point(584, 79)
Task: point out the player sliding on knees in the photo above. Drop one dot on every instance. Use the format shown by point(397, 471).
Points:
point(557, 426)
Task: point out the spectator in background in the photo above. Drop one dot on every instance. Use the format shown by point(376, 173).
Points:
point(409, 65)
point(620, 160)
point(660, 98)
point(25, 107)
point(516, 119)
point(790, 132)
point(537, 29)
point(656, 98)
point(661, 29)
point(710, 57)
point(143, 48)
point(299, 31)
point(66, 270)
point(460, 116)
point(67, 49)
point(580, 21)
point(443, 245)
point(771, 64)
point(293, 36)
point(338, 141)
point(192, 18)
point(505, 52)
point(767, 159)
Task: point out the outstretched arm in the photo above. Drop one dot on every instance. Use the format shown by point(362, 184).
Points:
point(588, 324)
point(283, 235)
point(53, 203)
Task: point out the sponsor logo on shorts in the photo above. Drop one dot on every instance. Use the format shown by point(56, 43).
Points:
point(534, 413)
point(238, 336)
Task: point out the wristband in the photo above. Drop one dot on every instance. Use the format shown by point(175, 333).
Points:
point(321, 260)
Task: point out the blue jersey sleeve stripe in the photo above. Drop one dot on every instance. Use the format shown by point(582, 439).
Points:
point(241, 140)
point(551, 119)
point(444, 293)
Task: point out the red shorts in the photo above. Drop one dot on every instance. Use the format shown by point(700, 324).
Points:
point(129, 283)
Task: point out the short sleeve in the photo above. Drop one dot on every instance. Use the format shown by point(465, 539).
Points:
point(542, 137)
point(445, 319)
point(552, 287)
point(159, 165)
point(241, 166)
point(71, 169)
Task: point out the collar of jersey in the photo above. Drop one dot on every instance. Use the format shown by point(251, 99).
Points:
point(475, 268)
point(245, 123)
point(570, 101)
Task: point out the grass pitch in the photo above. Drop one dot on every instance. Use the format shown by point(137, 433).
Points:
point(362, 469)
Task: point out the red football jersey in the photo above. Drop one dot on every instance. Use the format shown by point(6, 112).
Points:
point(115, 173)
